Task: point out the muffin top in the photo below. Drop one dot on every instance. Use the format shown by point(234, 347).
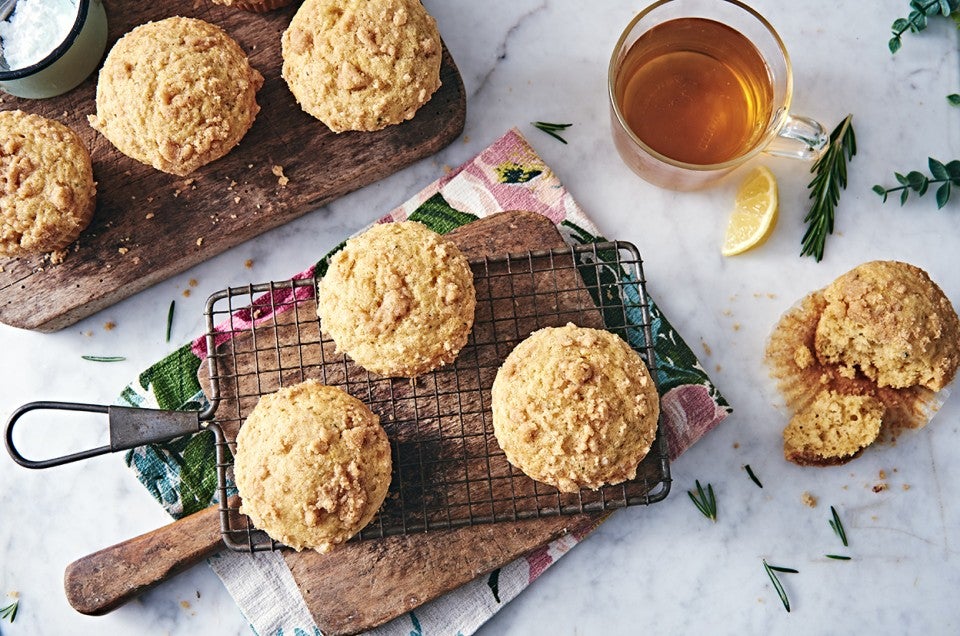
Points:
point(176, 94)
point(894, 324)
point(398, 299)
point(361, 64)
point(312, 466)
point(575, 407)
point(48, 194)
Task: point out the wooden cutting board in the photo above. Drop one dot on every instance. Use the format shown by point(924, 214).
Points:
point(150, 225)
point(365, 583)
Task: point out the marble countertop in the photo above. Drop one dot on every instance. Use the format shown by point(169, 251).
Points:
point(664, 568)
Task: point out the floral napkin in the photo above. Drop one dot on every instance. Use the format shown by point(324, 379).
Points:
point(181, 474)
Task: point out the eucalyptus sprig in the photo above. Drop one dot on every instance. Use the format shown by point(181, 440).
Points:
point(10, 611)
point(916, 20)
point(553, 129)
point(831, 176)
point(947, 175)
point(705, 501)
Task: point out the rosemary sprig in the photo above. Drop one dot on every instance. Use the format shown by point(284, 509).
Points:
point(916, 21)
point(837, 526)
point(104, 358)
point(838, 557)
point(752, 476)
point(10, 611)
point(831, 176)
point(551, 129)
point(706, 502)
point(771, 571)
point(173, 305)
point(948, 175)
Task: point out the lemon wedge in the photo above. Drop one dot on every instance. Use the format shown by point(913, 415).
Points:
point(755, 213)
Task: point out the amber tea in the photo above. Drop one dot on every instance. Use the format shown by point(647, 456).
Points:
point(696, 91)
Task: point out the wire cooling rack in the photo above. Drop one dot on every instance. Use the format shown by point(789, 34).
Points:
point(448, 470)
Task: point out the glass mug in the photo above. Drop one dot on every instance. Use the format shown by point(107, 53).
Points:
point(700, 87)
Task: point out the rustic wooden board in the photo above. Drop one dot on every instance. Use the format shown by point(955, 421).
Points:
point(366, 583)
point(222, 204)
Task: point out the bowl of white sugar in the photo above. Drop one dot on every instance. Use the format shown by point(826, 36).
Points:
point(48, 47)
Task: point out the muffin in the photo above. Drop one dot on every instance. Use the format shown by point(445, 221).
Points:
point(254, 6)
point(883, 330)
point(312, 466)
point(575, 408)
point(398, 299)
point(888, 320)
point(362, 64)
point(176, 94)
point(48, 193)
point(832, 430)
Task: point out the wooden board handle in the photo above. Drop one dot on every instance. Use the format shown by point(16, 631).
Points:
point(105, 580)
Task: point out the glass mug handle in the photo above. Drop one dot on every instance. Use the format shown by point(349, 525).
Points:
point(799, 138)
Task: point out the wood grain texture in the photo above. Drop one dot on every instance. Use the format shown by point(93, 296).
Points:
point(222, 204)
point(105, 580)
point(365, 583)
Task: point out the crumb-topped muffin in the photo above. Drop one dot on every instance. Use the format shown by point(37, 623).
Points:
point(398, 299)
point(882, 331)
point(254, 6)
point(176, 94)
point(888, 320)
point(312, 466)
point(575, 407)
point(362, 64)
point(49, 194)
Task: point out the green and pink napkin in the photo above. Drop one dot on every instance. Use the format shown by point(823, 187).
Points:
point(181, 475)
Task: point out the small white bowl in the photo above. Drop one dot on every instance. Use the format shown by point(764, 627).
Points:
point(67, 65)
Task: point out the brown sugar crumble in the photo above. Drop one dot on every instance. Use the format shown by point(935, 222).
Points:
point(186, 293)
point(109, 326)
point(282, 179)
point(808, 500)
point(248, 263)
point(192, 282)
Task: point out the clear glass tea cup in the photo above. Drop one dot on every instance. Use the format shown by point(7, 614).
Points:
point(775, 131)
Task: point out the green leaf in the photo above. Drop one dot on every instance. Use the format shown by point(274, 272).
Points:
point(440, 216)
point(903, 196)
point(943, 195)
point(894, 44)
point(173, 379)
point(954, 99)
point(917, 180)
point(198, 474)
point(945, 8)
point(937, 169)
point(510, 172)
point(879, 189)
point(902, 179)
point(953, 169)
point(493, 582)
point(900, 25)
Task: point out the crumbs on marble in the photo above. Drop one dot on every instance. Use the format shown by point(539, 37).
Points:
point(906, 487)
point(192, 282)
point(186, 293)
point(736, 445)
point(808, 500)
point(880, 486)
point(706, 348)
point(109, 326)
point(736, 326)
point(248, 263)
point(718, 368)
point(727, 312)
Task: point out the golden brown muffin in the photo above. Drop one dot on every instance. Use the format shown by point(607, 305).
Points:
point(398, 299)
point(888, 320)
point(176, 94)
point(312, 466)
point(48, 193)
point(833, 429)
point(575, 408)
point(254, 6)
point(362, 64)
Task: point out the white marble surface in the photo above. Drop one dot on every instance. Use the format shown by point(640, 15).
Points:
point(665, 567)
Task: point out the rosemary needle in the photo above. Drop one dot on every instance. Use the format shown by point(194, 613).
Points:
point(771, 572)
point(104, 358)
point(837, 526)
point(838, 557)
point(10, 611)
point(752, 476)
point(173, 305)
point(706, 502)
point(551, 129)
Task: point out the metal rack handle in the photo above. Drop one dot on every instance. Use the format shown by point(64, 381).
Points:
point(129, 427)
